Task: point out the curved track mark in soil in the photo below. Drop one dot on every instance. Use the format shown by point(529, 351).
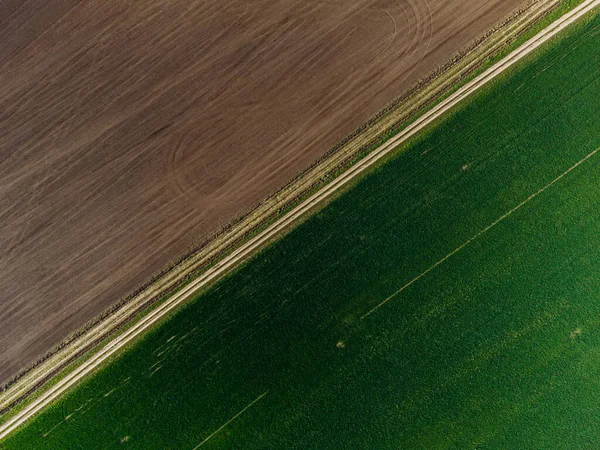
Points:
point(422, 15)
point(391, 39)
point(175, 176)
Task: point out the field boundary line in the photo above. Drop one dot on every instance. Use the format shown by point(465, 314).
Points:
point(256, 242)
point(481, 232)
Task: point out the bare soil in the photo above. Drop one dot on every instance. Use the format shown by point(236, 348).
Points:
point(130, 131)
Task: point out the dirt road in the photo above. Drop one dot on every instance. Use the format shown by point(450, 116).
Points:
point(231, 260)
point(132, 130)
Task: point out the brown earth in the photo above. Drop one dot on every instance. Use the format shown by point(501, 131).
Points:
point(129, 131)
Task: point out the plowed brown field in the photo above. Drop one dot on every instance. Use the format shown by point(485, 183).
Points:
point(130, 130)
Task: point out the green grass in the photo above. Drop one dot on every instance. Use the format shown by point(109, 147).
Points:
point(496, 347)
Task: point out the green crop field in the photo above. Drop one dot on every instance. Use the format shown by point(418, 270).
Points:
point(451, 299)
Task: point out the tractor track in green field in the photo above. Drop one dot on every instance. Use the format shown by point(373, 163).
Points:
point(481, 232)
